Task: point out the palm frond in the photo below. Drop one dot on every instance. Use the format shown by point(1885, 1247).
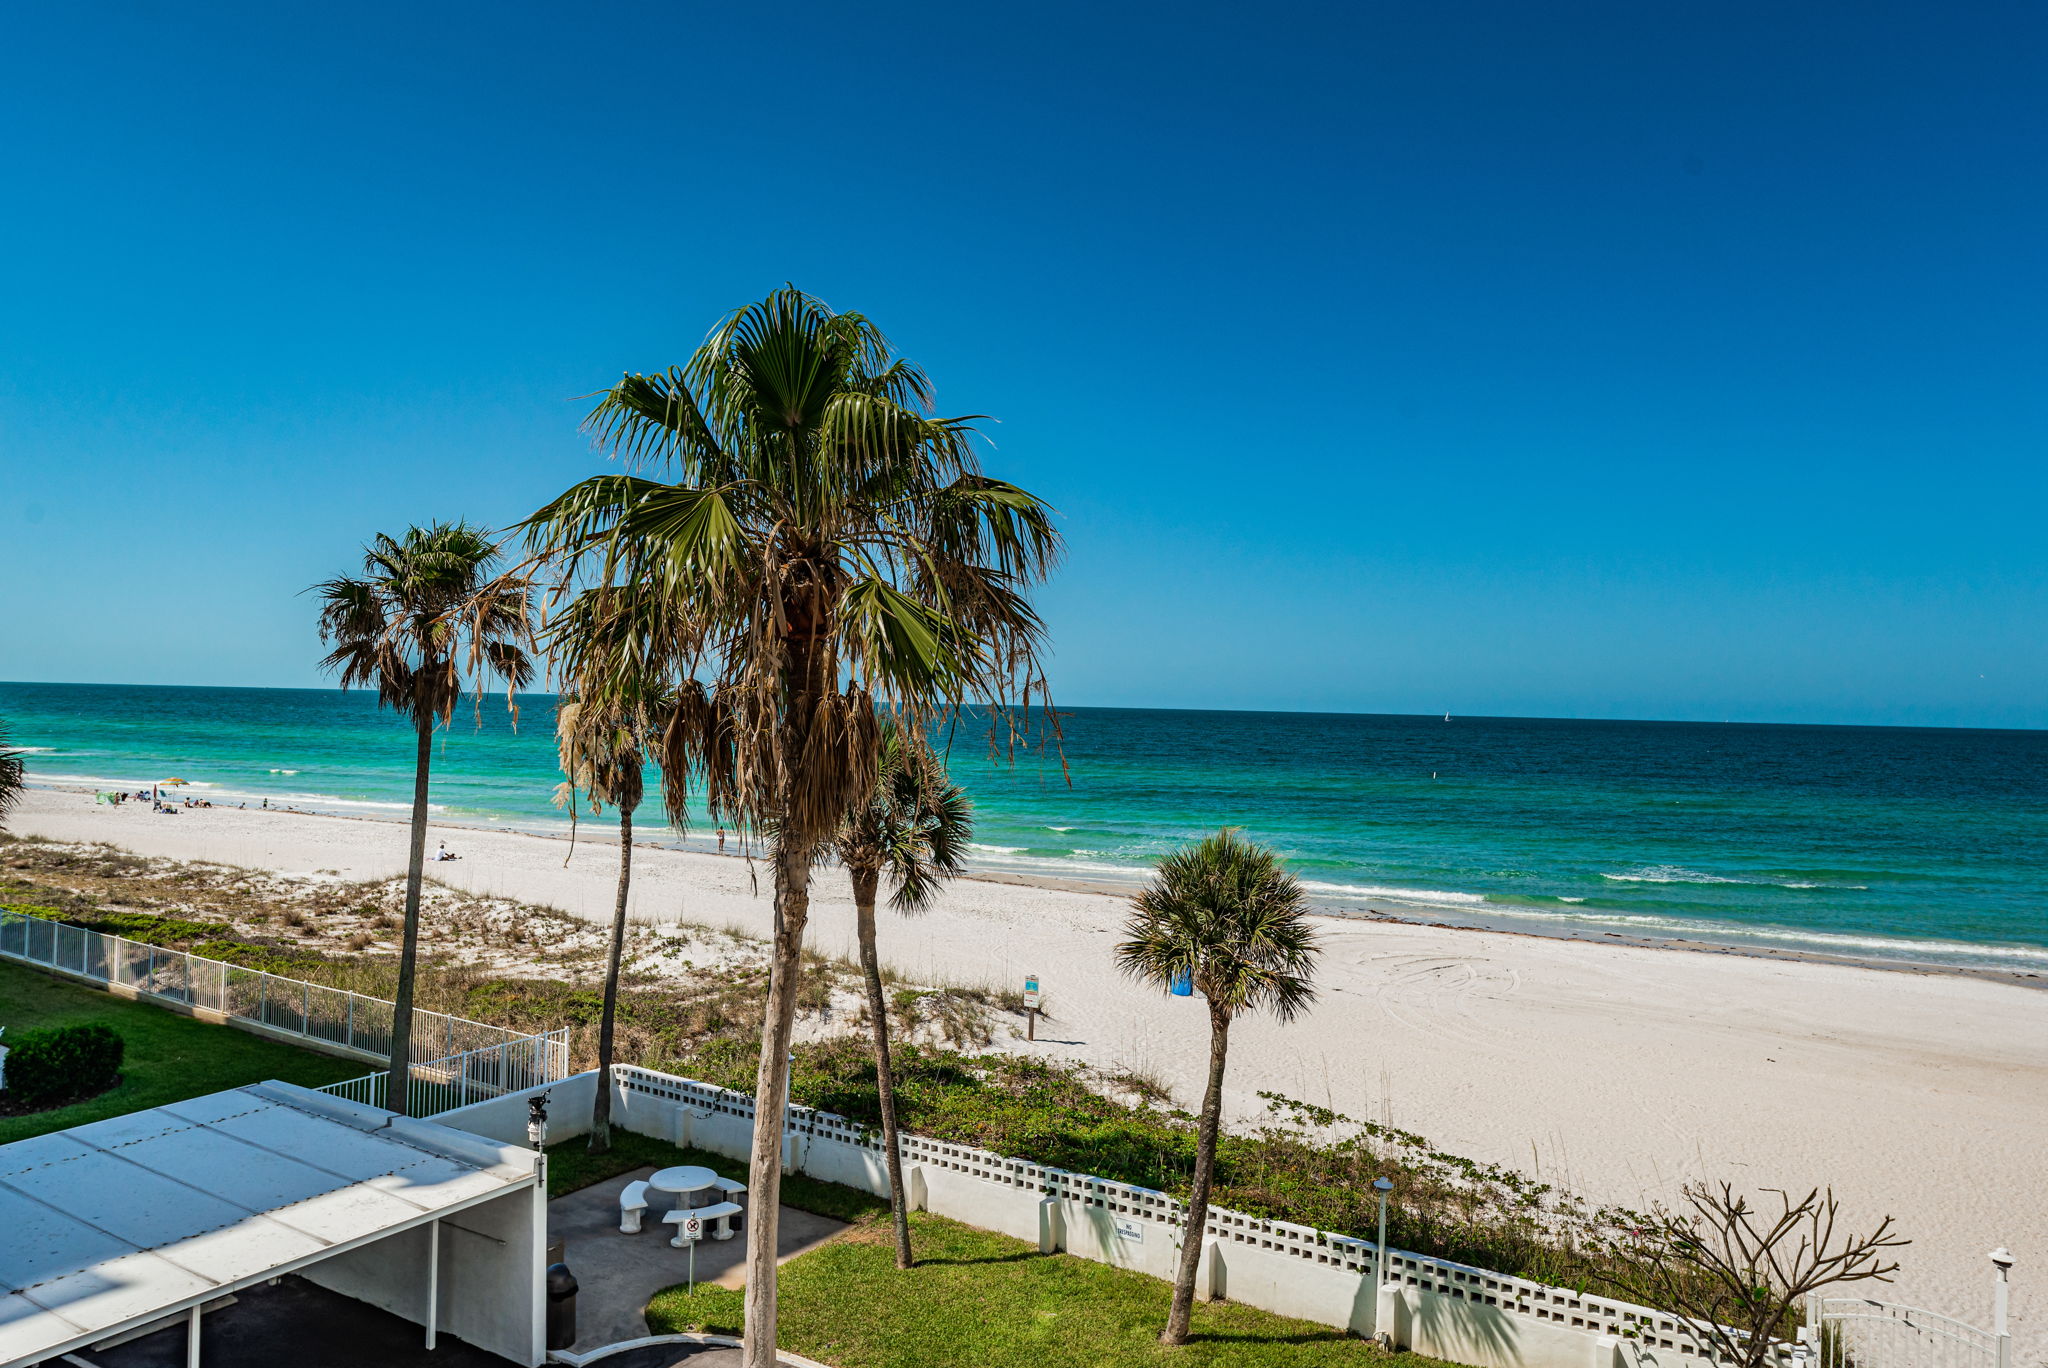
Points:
point(13, 776)
point(425, 615)
point(1225, 915)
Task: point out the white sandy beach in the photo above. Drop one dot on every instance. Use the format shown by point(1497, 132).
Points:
point(1614, 1070)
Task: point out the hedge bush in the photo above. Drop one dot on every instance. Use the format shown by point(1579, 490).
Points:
point(48, 1066)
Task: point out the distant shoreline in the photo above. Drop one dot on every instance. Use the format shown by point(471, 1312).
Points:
point(599, 833)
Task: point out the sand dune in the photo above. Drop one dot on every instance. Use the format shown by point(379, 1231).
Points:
point(1616, 1070)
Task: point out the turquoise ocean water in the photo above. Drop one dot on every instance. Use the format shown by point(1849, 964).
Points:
point(1916, 844)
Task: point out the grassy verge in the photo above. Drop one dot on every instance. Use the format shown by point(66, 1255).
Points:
point(571, 1165)
point(168, 1057)
point(981, 1300)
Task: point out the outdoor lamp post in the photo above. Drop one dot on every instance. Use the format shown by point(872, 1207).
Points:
point(1383, 1186)
point(537, 1121)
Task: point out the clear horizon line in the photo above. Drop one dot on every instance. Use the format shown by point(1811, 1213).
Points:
point(1129, 707)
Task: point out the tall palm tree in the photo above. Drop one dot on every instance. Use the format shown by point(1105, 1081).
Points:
point(613, 702)
point(825, 543)
point(1227, 916)
point(913, 827)
point(13, 778)
point(424, 617)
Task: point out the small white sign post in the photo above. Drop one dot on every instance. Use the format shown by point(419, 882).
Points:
point(1031, 1006)
point(691, 1230)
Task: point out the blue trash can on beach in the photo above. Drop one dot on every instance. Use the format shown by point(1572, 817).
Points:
point(1184, 984)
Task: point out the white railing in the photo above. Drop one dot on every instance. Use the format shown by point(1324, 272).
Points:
point(1857, 1332)
point(333, 1017)
point(439, 1085)
point(1519, 1298)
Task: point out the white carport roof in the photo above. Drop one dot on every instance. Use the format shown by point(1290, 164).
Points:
point(123, 1222)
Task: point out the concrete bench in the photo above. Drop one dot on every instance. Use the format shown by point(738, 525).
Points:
point(721, 1212)
point(632, 1206)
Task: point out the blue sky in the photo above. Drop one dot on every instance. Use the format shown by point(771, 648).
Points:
point(1571, 359)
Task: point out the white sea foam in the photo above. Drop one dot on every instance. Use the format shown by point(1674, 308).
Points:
point(1414, 895)
point(1665, 874)
point(1653, 927)
point(1678, 874)
point(1562, 898)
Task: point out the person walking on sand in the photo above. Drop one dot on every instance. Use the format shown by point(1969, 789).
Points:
point(721, 840)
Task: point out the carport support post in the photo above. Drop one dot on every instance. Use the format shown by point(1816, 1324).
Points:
point(192, 1338)
point(433, 1279)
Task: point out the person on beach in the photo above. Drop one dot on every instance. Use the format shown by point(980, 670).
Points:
point(721, 840)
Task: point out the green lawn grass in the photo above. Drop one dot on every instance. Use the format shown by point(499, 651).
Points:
point(168, 1057)
point(982, 1300)
point(571, 1165)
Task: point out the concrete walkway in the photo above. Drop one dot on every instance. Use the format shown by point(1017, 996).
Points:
point(618, 1273)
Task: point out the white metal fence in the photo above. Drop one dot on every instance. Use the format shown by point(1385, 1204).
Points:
point(439, 1085)
point(291, 1007)
point(1857, 1332)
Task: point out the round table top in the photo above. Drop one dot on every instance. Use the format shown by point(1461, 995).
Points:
point(684, 1178)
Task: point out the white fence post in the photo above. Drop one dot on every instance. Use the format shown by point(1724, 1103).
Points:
point(2001, 1263)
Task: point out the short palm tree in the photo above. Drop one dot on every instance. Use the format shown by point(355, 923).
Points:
point(825, 544)
point(1227, 916)
point(603, 751)
point(13, 778)
point(613, 703)
point(914, 827)
point(424, 617)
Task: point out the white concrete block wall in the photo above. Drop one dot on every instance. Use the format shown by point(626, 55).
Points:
point(1448, 1310)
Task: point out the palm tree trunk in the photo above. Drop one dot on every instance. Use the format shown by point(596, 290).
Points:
point(771, 1098)
point(865, 882)
point(601, 1109)
point(1193, 1237)
point(400, 1073)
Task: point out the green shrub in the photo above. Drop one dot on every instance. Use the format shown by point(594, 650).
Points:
point(59, 1062)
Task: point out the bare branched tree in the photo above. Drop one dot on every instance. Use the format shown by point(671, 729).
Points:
point(1737, 1273)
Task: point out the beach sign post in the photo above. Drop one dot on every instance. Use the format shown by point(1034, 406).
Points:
point(1031, 1006)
